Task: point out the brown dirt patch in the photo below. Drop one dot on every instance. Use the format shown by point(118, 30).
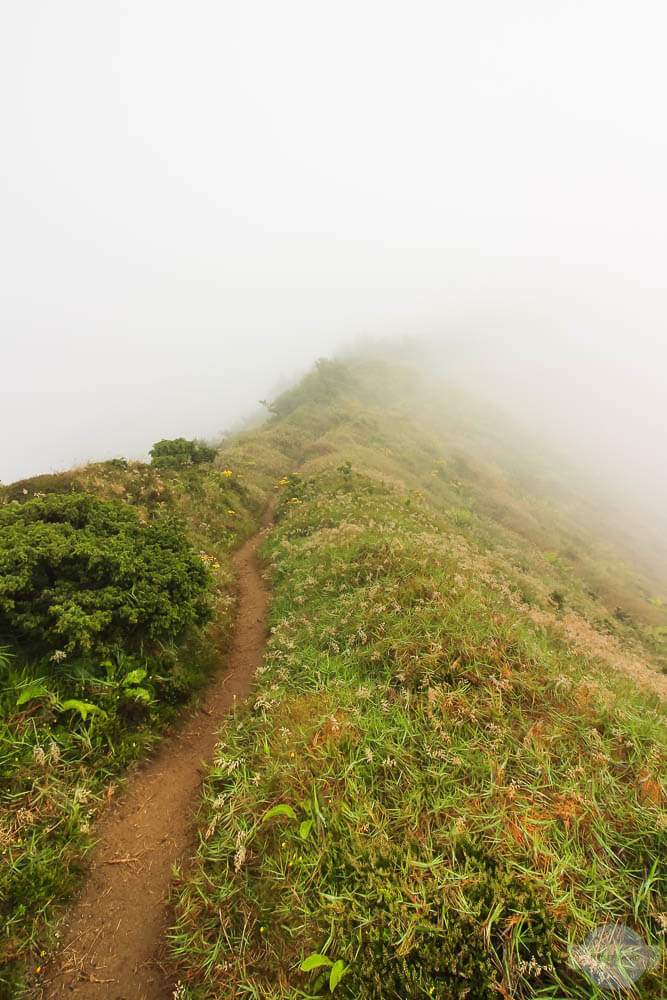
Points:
point(114, 936)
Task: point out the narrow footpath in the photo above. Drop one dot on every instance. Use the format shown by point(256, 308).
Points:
point(114, 937)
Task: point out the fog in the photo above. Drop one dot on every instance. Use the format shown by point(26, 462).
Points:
point(199, 199)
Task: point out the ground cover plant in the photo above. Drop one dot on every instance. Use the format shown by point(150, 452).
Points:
point(431, 793)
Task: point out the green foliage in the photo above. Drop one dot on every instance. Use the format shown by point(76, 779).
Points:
point(282, 810)
point(83, 708)
point(314, 961)
point(178, 452)
point(81, 575)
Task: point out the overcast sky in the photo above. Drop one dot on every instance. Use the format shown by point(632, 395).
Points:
point(197, 198)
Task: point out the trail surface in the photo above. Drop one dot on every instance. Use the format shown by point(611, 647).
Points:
point(113, 945)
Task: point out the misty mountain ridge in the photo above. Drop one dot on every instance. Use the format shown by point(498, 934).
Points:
point(459, 663)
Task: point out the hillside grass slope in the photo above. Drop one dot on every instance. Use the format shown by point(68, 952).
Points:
point(444, 780)
point(459, 718)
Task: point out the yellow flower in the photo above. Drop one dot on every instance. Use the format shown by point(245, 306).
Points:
point(232, 512)
point(227, 472)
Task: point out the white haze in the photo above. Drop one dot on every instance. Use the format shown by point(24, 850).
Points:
point(197, 199)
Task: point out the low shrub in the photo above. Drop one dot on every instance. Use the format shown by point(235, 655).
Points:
point(82, 575)
point(178, 451)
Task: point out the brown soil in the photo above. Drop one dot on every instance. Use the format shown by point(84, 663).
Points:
point(114, 937)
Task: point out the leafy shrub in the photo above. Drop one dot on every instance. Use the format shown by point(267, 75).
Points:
point(81, 575)
point(177, 451)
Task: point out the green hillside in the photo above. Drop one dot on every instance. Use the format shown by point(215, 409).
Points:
point(451, 768)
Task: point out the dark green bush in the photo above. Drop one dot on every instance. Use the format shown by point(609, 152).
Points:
point(176, 452)
point(83, 575)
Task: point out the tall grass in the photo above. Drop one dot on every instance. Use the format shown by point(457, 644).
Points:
point(463, 798)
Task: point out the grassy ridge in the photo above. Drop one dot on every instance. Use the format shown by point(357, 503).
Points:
point(460, 796)
point(441, 673)
point(466, 782)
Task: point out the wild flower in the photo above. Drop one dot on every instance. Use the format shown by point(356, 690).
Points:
point(58, 656)
point(54, 752)
point(38, 755)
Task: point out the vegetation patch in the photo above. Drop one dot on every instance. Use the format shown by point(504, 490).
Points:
point(428, 794)
point(80, 575)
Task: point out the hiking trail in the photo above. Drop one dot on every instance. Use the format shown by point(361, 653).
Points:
point(114, 936)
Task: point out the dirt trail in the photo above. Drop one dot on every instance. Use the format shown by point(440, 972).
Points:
point(113, 945)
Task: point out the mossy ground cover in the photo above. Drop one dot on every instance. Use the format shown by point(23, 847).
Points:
point(427, 787)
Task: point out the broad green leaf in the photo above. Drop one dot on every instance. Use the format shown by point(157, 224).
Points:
point(314, 962)
point(141, 693)
point(305, 828)
point(281, 810)
point(135, 676)
point(84, 708)
point(336, 974)
point(34, 691)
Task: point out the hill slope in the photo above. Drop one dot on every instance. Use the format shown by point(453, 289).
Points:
point(445, 777)
point(458, 713)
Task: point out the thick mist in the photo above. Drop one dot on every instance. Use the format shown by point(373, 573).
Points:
point(199, 199)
